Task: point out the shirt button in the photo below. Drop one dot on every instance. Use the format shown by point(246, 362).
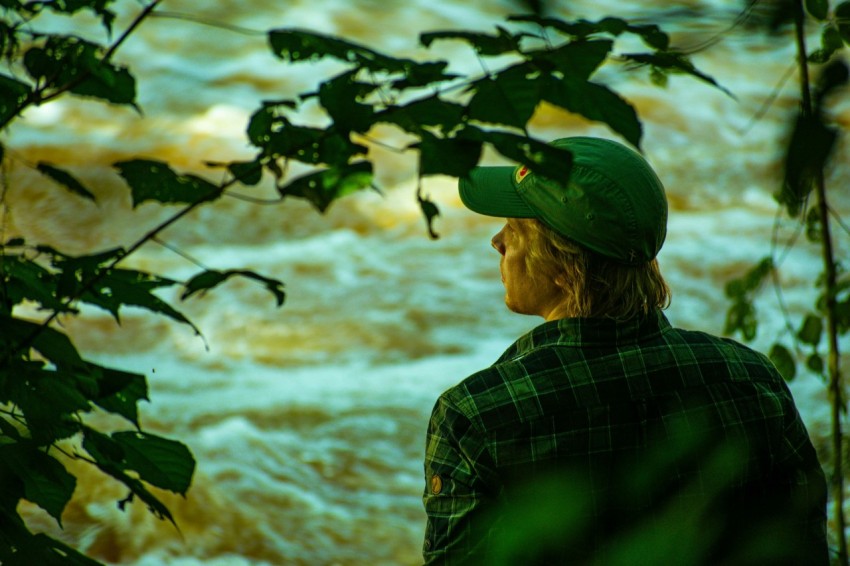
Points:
point(436, 484)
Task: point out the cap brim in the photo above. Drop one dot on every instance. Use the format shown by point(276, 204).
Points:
point(491, 191)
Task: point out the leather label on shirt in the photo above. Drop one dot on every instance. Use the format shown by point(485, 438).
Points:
point(436, 484)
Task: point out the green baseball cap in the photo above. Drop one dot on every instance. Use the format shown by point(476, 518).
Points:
point(609, 200)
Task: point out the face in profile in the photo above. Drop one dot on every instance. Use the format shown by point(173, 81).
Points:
point(525, 292)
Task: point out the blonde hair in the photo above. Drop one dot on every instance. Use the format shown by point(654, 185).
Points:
point(594, 286)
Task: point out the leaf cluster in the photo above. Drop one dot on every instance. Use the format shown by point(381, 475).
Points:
point(809, 153)
point(450, 117)
point(49, 391)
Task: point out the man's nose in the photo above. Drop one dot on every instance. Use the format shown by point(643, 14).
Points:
point(497, 243)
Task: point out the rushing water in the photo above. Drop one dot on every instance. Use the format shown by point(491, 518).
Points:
point(308, 421)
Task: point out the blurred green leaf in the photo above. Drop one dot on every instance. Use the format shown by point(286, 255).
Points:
point(248, 173)
point(669, 61)
point(430, 212)
point(842, 20)
point(543, 158)
point(447, 156)
point(296, 45)
point(819, 9)
point(119, 391)
point(810, 330)
point(13, 94)
point(109, 457)
point(423, 74)
point(119, 287)
point(751, 280)
point(66, 179)
point(830, 43)
point(208, 279)
point(508, 98)
point(340, 97)
point(52, 344)
point(46, 481)
point(598, 103)
point(784, 361)
point(156, 181)
point(651, 34)
point(484, 44)
point(842, 315)
point(49, 401)
point(815, 363)
point(323, 187)
point(161, 462)
point(24, 279)
point(810, 147)
point(97, 7)
point(741, 316)
point(74, 63)
point(431, 111)
point(578, 59)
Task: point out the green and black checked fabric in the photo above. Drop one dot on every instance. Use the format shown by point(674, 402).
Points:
point(588, 432)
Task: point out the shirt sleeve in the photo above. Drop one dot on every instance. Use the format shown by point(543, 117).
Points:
point(459, 486)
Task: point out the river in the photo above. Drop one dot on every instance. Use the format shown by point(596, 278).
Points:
point(308, 421)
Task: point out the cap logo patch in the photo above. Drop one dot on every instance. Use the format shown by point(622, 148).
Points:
point(521, 173)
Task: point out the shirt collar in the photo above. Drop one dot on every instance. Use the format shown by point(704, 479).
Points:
point(583, 332)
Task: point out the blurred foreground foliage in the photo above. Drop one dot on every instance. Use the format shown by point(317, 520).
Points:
point(803, 196)
point(48, 390)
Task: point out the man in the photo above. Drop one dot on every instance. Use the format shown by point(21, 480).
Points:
point(604, 435)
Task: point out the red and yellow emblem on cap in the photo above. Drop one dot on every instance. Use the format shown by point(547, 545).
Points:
point(521, 173)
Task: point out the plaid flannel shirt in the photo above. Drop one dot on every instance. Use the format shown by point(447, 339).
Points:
point(585, 429)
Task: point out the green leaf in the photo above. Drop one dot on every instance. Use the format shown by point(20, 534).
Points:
point(508, 98)
point(66, 179)
point(13, 95)
point(46, 481)
point(811, 330)
point(97, 7)
point(325, 186)
point(830, 43)
point(578, 59)
point(842, 19)
point(784, 361)
point(815, 363)
point(670, 61)
point(247, 172)
point(71, 62)
point(430, 111)
point(109, 457)
point(751, 281)
point(543, 158)
point(819, 9)
point(484, 44)
point(156, 181)
point(423, 74)
point(211, 278)
point(812, 142)
point(49, 342)
point(741, 316)
point(651, 34)
point(340, 97)
point(598, 103)
point(447, 156)
point(430, 212)
point(27, 280)
point(129, 287)
point(161, 462)
point(119, 392)
point(294, 45)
